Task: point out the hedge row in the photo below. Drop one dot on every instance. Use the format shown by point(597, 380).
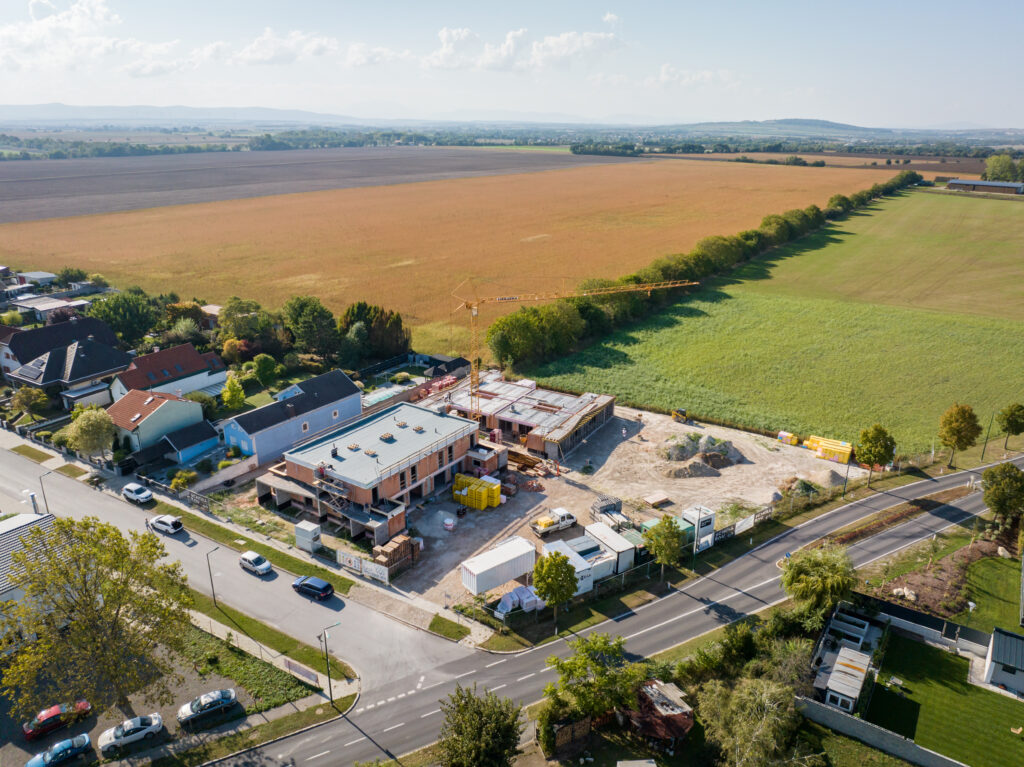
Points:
point(537, 334)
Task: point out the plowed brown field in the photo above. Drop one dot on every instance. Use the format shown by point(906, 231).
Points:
point(408, 245)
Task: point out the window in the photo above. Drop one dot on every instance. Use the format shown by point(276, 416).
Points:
point(440, 458)
point(401, 481)
point(179, 368)
point(151, 376)
point(451, 453)
point(1009, 669)
point(166, 372)
point(414, 474)
point(334, 414)
point(305, 426)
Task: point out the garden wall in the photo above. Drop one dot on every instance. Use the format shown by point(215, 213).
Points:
point(873, 735)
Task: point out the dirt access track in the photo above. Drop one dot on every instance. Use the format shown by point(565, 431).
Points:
point(630, 469)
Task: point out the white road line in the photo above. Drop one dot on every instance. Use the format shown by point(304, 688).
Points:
point(431, 686)
point(391, 699)
point(495, 663)
point(402, 695)
point(495, 689)
point(394, 727)
point(372, 705)
point(466, 674)
point(520, 679)
point(359, 710)
point(431, 713)
point(317, 756)
point(353, 742)
point(547, 668)
point(381, 702)
point(411, 692)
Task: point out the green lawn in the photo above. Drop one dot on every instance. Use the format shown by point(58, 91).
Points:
point(70, 470)
point(942, 711)
point(448, 628)
point(33, 454)
point(270, 637)
point(994, 585)
point(922, 287)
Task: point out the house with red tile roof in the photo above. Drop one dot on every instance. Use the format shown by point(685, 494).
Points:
point(177, 370)
point(145, 417)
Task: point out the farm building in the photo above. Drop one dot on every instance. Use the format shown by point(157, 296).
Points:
point(547, 423)
point(363, 475)
point(998, 187)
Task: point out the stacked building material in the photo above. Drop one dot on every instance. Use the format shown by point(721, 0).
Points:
point(477, 493)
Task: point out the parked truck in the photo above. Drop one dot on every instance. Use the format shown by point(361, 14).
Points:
point(553, 521)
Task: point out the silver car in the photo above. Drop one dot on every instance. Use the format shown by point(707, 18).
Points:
point(129, 731)
point(255, 563)
point(205, 707)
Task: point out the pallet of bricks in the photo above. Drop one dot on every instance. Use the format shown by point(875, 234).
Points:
point(397, 554)
point(481, 493)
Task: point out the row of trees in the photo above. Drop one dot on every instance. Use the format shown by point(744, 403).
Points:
point(49, 148)
point(539, 333)
point(1001, 167)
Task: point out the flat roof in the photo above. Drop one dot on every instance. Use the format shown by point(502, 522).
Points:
point(507, 551)
point(392, 444)
point(1008, 648)
point(975, 182)
point(604, 535)
point(848, 673)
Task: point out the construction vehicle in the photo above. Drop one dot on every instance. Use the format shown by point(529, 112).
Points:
point(473, 307)
point(552, 522)
point(679, 415)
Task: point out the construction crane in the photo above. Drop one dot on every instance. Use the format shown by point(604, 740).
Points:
point(473, 307)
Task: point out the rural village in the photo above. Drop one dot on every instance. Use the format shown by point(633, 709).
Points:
point(503, 443)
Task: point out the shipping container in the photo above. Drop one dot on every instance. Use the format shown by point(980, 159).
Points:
point(507, 561)
point(613, 543)
point(584, 573)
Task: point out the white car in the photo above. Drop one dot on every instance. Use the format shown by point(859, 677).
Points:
point(136, 493)
point(255, 563)
point(165, 523)
point(129, 731)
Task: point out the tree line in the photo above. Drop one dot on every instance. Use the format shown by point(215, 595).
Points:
point(535, 334)
point(1001, 167)
point(622, 149)
point(62, 149)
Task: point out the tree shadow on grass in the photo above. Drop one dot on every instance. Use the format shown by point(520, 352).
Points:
point(894, 712)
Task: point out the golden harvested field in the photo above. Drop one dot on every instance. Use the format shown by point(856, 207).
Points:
point(408, 245)
point(929, 167)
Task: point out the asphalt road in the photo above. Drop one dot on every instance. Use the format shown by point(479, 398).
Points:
point(404, 715)
point(52, 188)
point(376, 646)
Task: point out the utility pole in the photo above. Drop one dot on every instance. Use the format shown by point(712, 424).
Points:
point(209, 569)
point(985, 446)
point(42, 489)
point(696, 537)
point(322, 638)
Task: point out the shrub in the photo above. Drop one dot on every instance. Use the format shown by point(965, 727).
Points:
point(205, 466)
point(60, 438)
point(234, 451)
point(225, 464)
point(44, 435)
point(183, 479)
point(400, 378)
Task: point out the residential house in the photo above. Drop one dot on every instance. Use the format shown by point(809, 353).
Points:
point(37, 278)
point(443, 365)
point(39, 308)
point(1004, 663)
point(301, 411)
point(21, 348)
point(145, 418)
point(13, 532)
point(178, 370)
point(181, 446)
point(78, 373)
point(663, 718)
point(363, 475)
point(10, 292)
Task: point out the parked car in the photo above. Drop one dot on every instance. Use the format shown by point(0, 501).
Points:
point(311, 586)
point(55, 717)
point(165, 523)
point(205, 707)
point(136, 493)
point(61, 752)
point(129, 731)
point(255, 563)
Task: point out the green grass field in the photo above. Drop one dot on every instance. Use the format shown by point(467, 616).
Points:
point(993, 584)
point(942, 711)
point(887, 317)
point(31, 453)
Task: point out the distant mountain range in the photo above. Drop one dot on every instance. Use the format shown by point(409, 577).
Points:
point(71, 116)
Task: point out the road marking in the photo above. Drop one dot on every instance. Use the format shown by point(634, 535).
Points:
point(411, 692)
point(402, 695)
point(520, 679)
point(372, 705)
point(391, 699)
point(359, 710)
point(495, 689)
point(466, 674)
point(317, 756)
point(431, 686)
point(497, 662)
point(381, 702)
point(393, 727)
point(353, 742)
point(547, 668)
point(431, 713)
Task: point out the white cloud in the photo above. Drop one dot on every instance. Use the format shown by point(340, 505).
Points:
point(670, 76)
point(270, 48)
point(361, 55)
point(151, 66)
point(560, 49)
point(454, 51)
point(610, 18)
point(502, 56)
point(57, 38)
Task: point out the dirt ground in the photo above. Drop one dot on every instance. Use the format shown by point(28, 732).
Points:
point(627, 468)
point(16, 750)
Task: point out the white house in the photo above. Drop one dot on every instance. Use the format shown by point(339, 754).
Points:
point(13, 532)
point(1004, 663)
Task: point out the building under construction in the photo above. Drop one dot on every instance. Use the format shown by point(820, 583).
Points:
point(547, 423)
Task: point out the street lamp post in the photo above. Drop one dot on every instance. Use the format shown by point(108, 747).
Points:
point(696, 537)
point(209, 569)
point(322, 637)
point(43, 490)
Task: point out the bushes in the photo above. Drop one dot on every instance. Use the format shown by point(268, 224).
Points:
point(205, 466)
point(183, 479)
point(537, 334)
point(225, 464)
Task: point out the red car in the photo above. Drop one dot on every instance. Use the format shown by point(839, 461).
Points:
point(55, 717)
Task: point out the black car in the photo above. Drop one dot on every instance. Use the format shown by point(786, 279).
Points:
point(311, 586)
point(205, 707)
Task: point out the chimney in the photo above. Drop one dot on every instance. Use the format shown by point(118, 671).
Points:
point(291, 409)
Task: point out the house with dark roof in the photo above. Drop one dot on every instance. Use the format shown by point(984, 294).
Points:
point(145, 418)
point(301, 411)
point(443, 365)
point(663, 717)
point(177, 370)
point(14, 533)
point(21, 348)
point(78, 373)
point(181, 446)
point(1004, 663)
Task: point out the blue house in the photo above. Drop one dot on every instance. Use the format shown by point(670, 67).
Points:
point(300, 412)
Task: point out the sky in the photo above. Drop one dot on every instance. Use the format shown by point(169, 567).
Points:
point(873, 63)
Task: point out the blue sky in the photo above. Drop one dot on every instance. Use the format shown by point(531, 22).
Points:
point(870, 63)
